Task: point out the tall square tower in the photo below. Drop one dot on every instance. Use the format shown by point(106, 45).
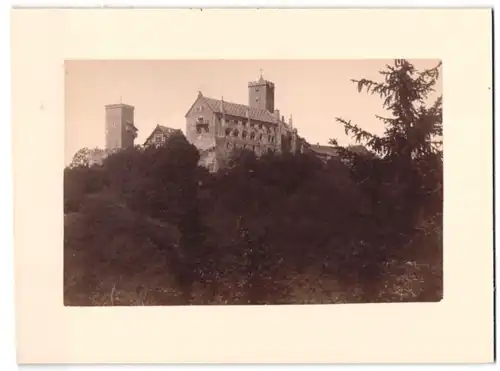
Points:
point(120, 129)
point(261, 94)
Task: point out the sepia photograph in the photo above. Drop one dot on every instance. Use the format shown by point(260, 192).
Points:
point(253, 182)
point(278, 188)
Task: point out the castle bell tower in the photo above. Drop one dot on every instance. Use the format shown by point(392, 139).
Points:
point(261, 94)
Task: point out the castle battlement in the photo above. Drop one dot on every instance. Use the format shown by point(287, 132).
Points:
point(260, 83)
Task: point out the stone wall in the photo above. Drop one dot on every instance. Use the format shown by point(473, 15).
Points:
point(118, 132)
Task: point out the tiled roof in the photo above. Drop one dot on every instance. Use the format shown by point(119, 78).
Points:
point(168, 131)
point(240, 110)
point(131, 126)
point(324, 150)
point(164, 129)
point(358, 149)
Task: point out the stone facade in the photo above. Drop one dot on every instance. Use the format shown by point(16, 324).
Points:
point(120, 129)
point(96, 156)
point(217, 127)
point(261, 94)
point(120, 132)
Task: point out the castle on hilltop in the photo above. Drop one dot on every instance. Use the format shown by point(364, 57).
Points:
point(216, 128)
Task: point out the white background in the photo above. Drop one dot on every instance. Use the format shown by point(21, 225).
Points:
point(7, 319)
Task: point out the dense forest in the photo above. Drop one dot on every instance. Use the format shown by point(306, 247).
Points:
point(151, 227)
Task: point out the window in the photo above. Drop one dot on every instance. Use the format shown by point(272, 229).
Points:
point(244, 134)
point(202, 127)
point(236, 133)
point(252, 136)
point(260, 136)
point(158, 138)
point(228, 132)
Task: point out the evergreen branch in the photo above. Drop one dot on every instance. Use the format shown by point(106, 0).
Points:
point(372, 87)
point(386, 120)
point(333, 142)
point(427, 79)
point(360, 135)
point(432, 73)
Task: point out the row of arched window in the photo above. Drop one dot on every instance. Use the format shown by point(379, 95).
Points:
point(248, 135)
point(230, 145)
point(251, 125)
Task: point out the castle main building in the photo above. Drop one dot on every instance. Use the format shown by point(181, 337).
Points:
point(217, 127)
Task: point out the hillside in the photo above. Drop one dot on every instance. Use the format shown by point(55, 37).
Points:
point(280, 229)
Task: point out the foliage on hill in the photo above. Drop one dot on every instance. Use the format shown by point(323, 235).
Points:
point(151, 227)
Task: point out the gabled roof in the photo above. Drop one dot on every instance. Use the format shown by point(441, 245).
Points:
point(324, 150)
point(334, 151)
point(238, 110)
point(358, 149)
point(165, 130)
point(131, 125)
point(168, 131)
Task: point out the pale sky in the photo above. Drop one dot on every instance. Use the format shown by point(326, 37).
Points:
point(313, 91)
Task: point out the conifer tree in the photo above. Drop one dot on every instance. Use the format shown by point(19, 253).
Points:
point(414, 129)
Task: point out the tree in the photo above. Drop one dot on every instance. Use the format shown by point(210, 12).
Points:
point(80, 158)
point(172, 195)
point(414, 130)
point(79, 182)
point(404, 180)
point(410, 147)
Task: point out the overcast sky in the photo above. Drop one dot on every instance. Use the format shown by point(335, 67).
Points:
point(314, 92)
